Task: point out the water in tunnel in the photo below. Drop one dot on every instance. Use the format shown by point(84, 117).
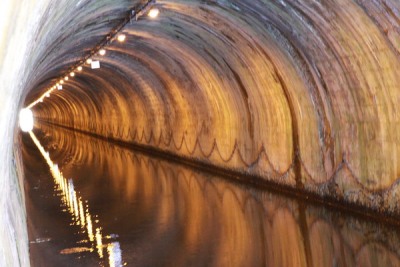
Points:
point(299, 96)
point(94, 203)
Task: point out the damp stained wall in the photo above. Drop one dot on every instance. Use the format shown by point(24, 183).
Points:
point(301, 93)
point(296, 92)
point(18, 23)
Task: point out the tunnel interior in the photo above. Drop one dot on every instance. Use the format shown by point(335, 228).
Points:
point(296, 93)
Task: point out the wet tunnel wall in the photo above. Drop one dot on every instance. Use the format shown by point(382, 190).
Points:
point(301, 93)
point(296, 92)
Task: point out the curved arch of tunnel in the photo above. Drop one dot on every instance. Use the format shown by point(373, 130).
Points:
point(256, 87)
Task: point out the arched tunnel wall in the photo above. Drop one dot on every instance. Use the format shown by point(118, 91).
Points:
point(298, 93)
point(301, 93)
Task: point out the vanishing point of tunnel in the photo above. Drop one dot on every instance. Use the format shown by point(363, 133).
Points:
point(200, 133)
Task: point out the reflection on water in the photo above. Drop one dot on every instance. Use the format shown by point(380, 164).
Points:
point(80, 214)
point(158, 213)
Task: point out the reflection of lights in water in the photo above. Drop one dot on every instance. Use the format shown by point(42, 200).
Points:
point(89, 227)
point(114, 254)
point(79, 213)
point(99, 242)
point(26, 120)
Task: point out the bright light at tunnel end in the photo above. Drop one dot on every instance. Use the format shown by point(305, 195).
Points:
point(26, 120)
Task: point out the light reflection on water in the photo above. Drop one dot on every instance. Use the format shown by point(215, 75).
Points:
point(165, 214)
point(80, 215)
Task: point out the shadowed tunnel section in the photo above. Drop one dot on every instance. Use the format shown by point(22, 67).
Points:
point(300, 93)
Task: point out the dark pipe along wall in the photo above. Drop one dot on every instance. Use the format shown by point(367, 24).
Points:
point(301, 93)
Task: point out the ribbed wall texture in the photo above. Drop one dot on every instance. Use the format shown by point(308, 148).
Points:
point(18, 24)
point(301, 93)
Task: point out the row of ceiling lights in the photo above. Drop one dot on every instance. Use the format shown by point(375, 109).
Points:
point(152, 12)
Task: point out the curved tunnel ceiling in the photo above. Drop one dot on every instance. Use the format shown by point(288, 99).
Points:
point(301, 93)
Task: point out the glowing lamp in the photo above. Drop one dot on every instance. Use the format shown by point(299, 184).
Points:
point(121, 37)
point(102, 52)
point(89, 61)
point(66, 78)
point(26, 120)
point(79, 68)
point(153, 13)
point(72, 74)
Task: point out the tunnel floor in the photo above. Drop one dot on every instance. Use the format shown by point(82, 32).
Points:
point(92, 203)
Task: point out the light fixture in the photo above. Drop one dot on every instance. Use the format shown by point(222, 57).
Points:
point(148, 8)
point(26, 120)
point(121, 37)
point(153, 13)
point(95, 64)
point(47, 94)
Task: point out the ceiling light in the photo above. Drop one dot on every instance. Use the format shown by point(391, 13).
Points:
point(61, 81)
point(66, 78)
point(102, 52)
point(89, 61)
point(72, 74)
point(153, 13)
point(121, 37)
point(79, 68)
point(95, 64)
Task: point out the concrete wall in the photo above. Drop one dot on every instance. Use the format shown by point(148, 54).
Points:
point(18, 24)
point(298, 93)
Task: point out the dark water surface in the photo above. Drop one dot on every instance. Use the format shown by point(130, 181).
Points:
point(92, 203)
